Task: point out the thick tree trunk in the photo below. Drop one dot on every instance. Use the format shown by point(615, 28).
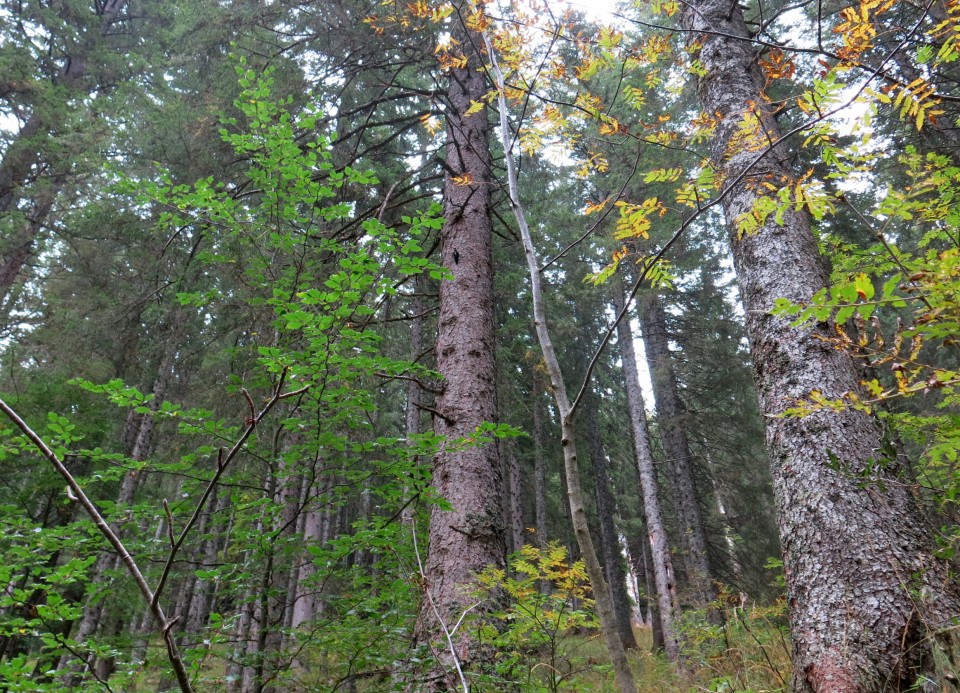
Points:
point(677, 449)
point(863, 585)
point(662, 562)
point(470, 536)
point(609, 536)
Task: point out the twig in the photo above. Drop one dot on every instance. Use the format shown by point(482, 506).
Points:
point(173, 653)
point(412, 379)
point(166, 510)
point(424, 407)
point(436, 612)
point(879, 236)
point(222, 462)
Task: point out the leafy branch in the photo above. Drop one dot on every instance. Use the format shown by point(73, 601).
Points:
point(152, 597)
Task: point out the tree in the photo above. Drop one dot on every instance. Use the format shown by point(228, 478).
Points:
point(566, 409)
point(661, 560)
point(467, 532)
point(676, 448)
point(80, 57)
point(855, 551)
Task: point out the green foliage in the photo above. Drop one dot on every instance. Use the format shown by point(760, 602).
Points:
point(276, 253)
point(748, 652)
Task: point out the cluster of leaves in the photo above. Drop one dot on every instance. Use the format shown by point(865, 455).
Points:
point(546, 600)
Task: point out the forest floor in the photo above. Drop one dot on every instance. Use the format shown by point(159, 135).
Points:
point(748, 653)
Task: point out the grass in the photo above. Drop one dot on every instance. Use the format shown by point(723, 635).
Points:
point(748, 654)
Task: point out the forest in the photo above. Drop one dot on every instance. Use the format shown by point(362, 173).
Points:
point(479, 345)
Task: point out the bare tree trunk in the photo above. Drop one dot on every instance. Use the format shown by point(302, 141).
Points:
point(609, 537)
point(414, 393)
point(565, 408)
point(305, 606)
point(237, 669)
point(539, 463)
point(864, 588)
point(201, 604)
point(662, 562)
point(470, 536)
point(515, 494)
point(642, 565)
point(676, 449)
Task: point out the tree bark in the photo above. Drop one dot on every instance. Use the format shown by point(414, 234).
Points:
point(201, 604)
point(662, 562)
point(609, 536)
point(470, 536)
point(676, 449)
point(864, 588)
point(516, 496)
point(539, 464)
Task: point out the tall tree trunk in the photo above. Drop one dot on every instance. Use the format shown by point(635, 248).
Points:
point(539, 463)
point(609, 536)
point(676, 449)
point(470, 536)
point(662, 562)
point(644, 568)
point(198, 613)
point(515, 491)
point(863, 585)
point(305, 603)
point(413, 425)
point(566, 409)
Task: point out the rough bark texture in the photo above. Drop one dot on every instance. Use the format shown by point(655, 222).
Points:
point(661, 561)
point(676, 448)
point(609, 537)
point(862, 583)
point(470, 536)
